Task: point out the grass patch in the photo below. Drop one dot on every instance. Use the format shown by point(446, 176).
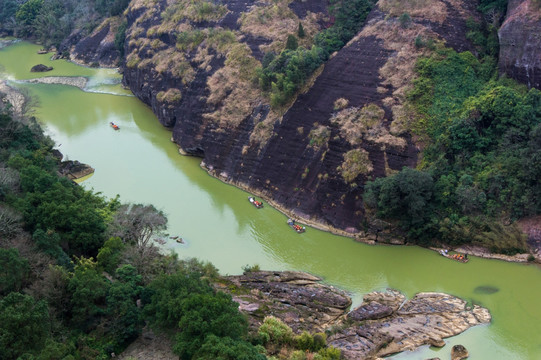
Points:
point(356, 162)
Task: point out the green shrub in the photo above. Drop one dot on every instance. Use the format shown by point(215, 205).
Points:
point(329, 353)
point(304, 341)
point(274, 331)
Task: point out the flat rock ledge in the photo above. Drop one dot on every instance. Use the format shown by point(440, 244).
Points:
point(78, 81)
point(74, 170)
point(385, 323)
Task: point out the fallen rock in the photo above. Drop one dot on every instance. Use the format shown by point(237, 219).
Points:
point(41, 68)
point(459, 352)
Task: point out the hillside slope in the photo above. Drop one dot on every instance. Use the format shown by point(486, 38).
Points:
point(196, 69)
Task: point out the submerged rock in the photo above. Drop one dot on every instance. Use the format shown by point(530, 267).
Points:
point(385, 323)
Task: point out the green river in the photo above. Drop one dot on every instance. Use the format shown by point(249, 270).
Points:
point(142, 165)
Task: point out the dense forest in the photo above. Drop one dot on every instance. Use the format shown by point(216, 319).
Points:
point(81, 275)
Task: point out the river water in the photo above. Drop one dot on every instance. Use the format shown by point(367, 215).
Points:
point(218, 224)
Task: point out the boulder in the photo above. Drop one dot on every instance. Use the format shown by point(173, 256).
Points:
point(41, 68)
point(459, 352)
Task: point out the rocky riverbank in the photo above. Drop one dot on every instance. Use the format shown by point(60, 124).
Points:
point(385, 323)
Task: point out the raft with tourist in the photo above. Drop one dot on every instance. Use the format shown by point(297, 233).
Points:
point(258, 204)
point(114, 126)
point(463, 258)
point(298, 228)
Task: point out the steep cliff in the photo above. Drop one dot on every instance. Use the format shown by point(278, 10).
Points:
point(520, 42)
point(195, 64)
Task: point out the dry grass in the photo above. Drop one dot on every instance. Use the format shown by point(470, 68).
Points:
point(275, 20)
point(138, 4)
point(171, 96)
point(319, 136)
point(367, 124)
point(194, 10)
point(356, 162)
point(340, 104)
point(354, 123)
point(262, 132)
point(433, 10)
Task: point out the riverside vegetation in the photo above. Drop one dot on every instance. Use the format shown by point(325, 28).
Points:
point(81, 275)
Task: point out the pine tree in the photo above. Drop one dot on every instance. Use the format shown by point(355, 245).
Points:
point(292, 43)
point(300, 32)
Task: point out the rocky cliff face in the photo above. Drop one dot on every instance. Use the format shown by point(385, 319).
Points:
point(196, 69)
point(520, 42)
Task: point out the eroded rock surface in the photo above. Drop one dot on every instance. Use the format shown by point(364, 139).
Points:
point(298, 299)
point(520, 42)
point(385, 323)
point(427, 318)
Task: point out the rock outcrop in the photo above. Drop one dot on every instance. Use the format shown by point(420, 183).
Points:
point(74, 170)
point(41, 68)
point(298, 299)
point(384, 324)
point(520, 42)
point(313, 158)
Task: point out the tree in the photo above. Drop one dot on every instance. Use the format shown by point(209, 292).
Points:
point(300, 31)
point(225, 348)
point(292, 43)
point(88, 290)
point(126, 321)
point(207, 314)
point(14, 271)
point(136, 224)
point(166, 295)
point(26, 15)
point(10, 222)
point(24, 325)
point(110, 254)
point(405, 196)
